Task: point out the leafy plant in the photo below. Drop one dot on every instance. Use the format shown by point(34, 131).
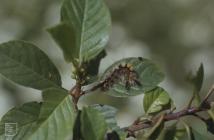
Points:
point(82, 35)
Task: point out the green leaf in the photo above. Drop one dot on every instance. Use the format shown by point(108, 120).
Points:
point(54, 120)
point(93, 123)
point(179, 134)
point(65, 38)
point(57, 116)
point(92, 68)
point(109, 114)
point(197, 82)
point(189, 132)
point(211, 113)
point(172, 133)
point(156, 100)
point(197, 79)
point(193, 134)
point(24, 117)
point(87, 22)
point(88, 71)
point(199, 136)
point(113, 136)
point(77, 128)
point(210, 125)
point(148, 77)
point(168, 133)
point(25, 64)
point(156, 130)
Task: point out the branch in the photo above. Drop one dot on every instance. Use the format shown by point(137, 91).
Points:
point(168, 117)
point(192, 111)
point(76, 93)
point(211, 91)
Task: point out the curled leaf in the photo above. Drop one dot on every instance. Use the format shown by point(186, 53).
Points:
point(130, 77)
point(156, 100)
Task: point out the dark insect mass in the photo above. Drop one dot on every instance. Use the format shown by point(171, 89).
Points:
point(124, 74)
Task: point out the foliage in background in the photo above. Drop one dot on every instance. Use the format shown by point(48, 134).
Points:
point(82, 34)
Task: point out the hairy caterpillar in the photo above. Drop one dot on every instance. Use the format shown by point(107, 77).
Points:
point(124, 74)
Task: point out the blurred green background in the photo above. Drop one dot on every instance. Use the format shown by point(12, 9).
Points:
point(177, 34)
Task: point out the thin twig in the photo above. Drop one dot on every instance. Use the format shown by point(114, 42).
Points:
point(172, 116)
point(168, 117)
point(211, 91)
point(76, 93)
point(191, 100)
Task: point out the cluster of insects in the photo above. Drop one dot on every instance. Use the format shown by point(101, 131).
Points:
point(125, 74)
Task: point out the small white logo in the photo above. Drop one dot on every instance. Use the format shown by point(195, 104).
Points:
point(10, 129)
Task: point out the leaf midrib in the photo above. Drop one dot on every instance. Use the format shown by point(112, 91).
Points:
point(46, 120)
point(82, 29)
point(154, 102)
point(28, 68)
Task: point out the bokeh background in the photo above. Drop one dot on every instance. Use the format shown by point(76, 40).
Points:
point(178, 35)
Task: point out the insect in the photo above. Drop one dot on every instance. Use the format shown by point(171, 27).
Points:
point(124, 74)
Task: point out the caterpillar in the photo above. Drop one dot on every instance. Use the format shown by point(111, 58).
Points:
point(125, 74)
